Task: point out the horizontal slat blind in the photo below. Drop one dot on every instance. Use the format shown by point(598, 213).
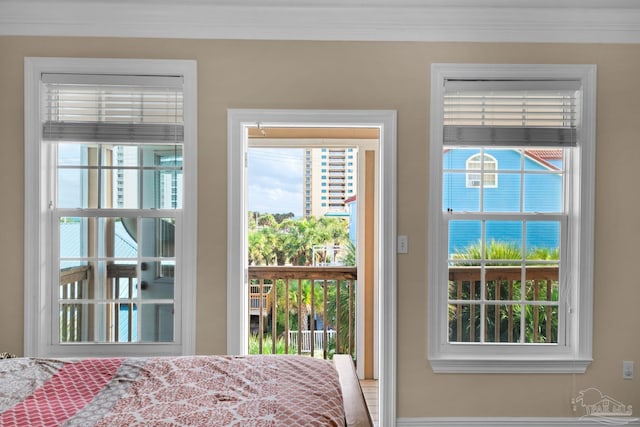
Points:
point(512, 113)
point(112, 108)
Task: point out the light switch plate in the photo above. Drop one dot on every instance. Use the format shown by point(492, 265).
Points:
point(627, 369)
point(403, 244)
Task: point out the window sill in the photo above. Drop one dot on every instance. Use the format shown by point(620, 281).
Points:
point(509, 366)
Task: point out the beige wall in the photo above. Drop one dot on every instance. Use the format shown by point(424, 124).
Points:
point(327, 75)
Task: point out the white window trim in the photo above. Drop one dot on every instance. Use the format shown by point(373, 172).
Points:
point(576, 354)
point(38, 266)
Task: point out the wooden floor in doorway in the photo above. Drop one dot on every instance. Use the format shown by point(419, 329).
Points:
point(371, 396)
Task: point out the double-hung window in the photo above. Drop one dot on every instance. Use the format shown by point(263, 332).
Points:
point(512, 155)
point(111, 207)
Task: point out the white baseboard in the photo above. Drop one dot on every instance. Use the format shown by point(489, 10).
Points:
point(515, 422)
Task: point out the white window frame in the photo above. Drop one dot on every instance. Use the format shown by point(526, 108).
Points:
point(575, 353)
point(482, 171)
point(39, 339)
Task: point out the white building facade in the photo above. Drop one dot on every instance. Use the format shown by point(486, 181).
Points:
point(329, 179)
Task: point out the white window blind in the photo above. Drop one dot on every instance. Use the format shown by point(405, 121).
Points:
point(511, 113)
point(112, 108)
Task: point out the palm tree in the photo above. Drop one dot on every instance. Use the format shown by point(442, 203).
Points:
point(291, 242)
point(300, 303)
point(262, 246)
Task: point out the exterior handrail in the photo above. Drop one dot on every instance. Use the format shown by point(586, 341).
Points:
point(327, 286)
point(506, 301)
point(303, 272)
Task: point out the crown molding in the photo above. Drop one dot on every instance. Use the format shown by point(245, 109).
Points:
point(574, 21)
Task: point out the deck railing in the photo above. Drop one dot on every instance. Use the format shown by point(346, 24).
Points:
point(73, 285)
point(298, 300)
point(76, 319)
point(514, 310)
point(305, 343)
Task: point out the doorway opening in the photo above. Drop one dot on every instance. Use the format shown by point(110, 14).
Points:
point(311, 205)
point(370, 136)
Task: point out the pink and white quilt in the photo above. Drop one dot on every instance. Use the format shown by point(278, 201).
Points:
point(252, 391)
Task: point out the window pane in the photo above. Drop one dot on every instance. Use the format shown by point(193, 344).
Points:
point(74, 282)
point(77, 185)
point(124, 280)
point(543, 240)
point(457, 197)
point(102, 322)
point(542, 283)
point(119, 155)
point(77, 188)
point(464, 239)
point(161, 155)
point(505, 196)
point(504, 241)
point(502, 323)
point(157, 237)
point(120, 188)
point(74, 154)
point(117, 237)
point(74, 237)
point(457, 193)
point(543, 193)
point(127, 322)
point(541, 324)
point(162, 189)
point(157, 322)
point(464, 283)
point(167, 268)
point(464, 323)
point(163, 183)
point(503, 283)
point(73, 322)
point(154, 286)
point(544, 159)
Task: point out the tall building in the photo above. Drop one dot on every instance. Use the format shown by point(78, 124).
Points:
point(165, 163)
point(330, 177)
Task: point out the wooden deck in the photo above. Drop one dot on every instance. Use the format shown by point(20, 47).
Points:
point(371, 396)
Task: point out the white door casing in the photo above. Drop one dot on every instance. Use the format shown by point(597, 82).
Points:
point(238, 121)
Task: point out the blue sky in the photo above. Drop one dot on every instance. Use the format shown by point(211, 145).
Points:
point(274, 180)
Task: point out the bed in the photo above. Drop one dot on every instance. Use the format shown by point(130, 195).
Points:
point(182, 391)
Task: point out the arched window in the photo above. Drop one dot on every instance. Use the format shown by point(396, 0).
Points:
point(475, 163)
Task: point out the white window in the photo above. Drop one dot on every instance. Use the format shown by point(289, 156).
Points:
point(510, 267)
point(485, 165)
point(111, 231)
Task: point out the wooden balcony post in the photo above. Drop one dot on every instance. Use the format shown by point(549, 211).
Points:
point(286, 317)
point(325, 341)
point(312, 321)
point(339, 285)
point(274, 302)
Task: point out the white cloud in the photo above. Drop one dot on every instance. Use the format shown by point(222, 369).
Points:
point(275, 180)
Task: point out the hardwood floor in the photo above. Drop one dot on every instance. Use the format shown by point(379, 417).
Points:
point(370, 391)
